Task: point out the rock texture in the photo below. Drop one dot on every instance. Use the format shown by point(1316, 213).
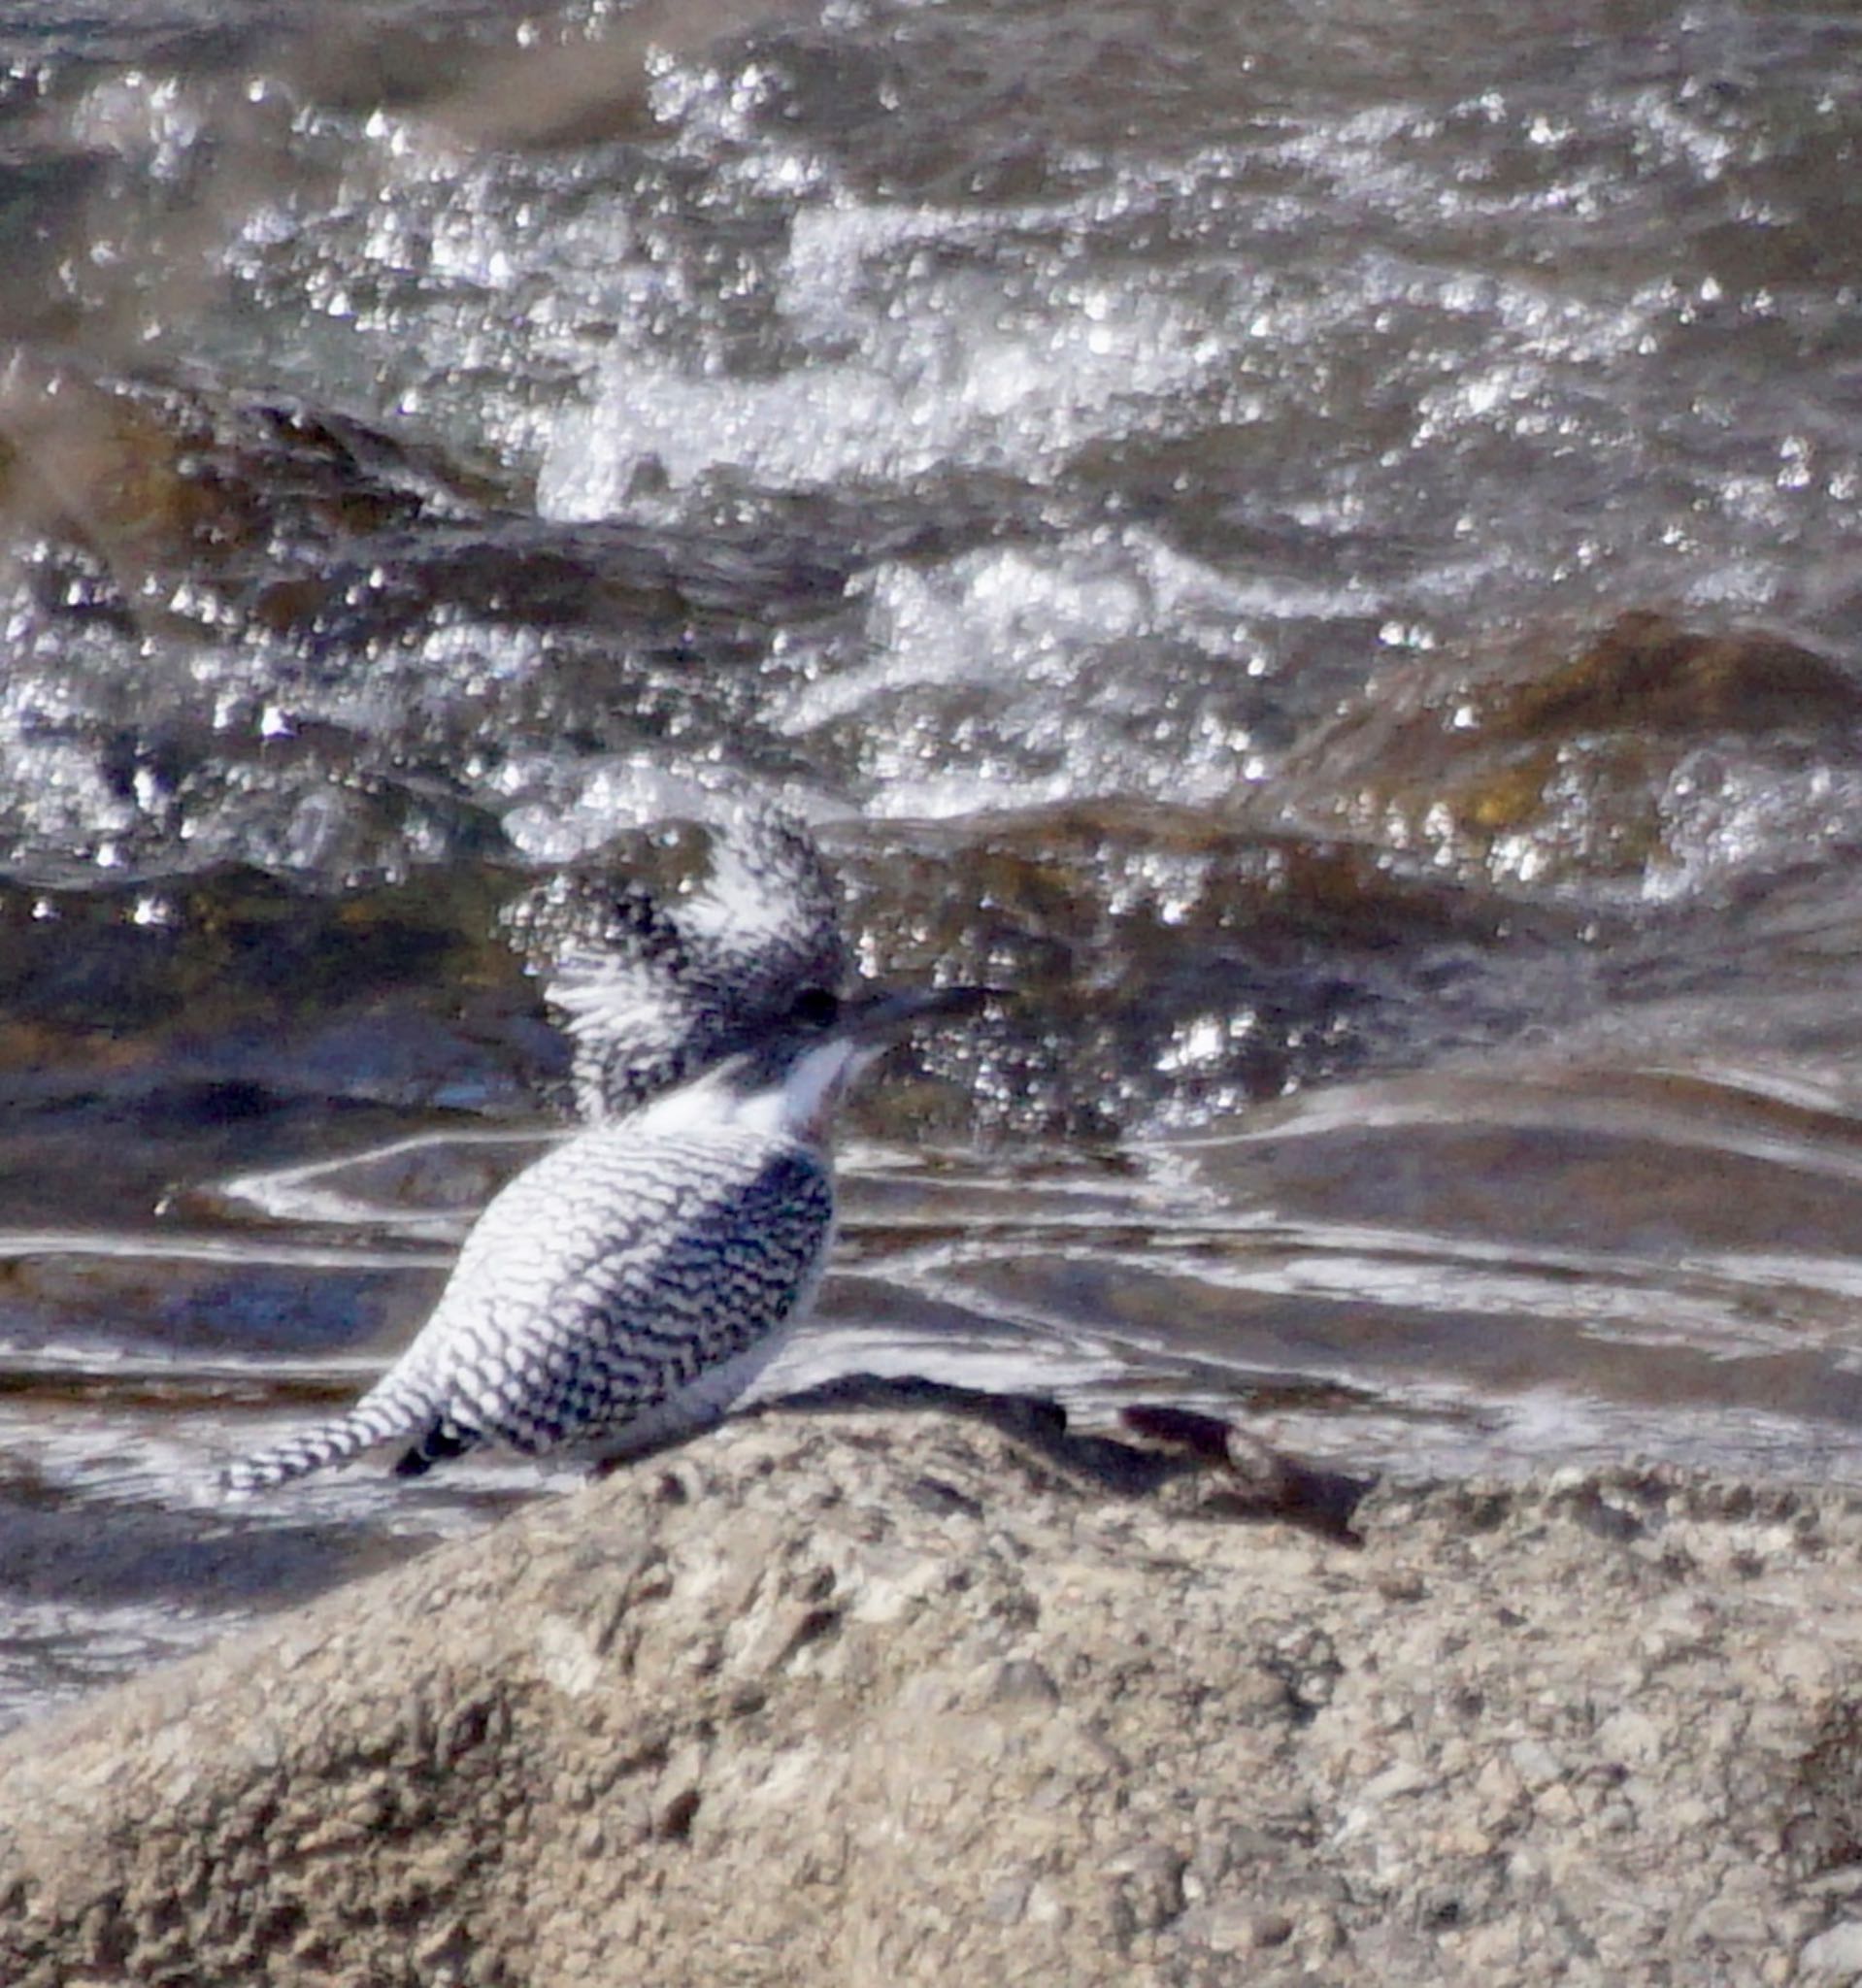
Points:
point(878, 1699)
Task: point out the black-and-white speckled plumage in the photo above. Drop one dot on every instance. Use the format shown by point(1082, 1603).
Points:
point(623, 1289)
point(653, 992)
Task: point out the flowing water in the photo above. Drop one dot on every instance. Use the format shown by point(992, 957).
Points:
point(1319, 546)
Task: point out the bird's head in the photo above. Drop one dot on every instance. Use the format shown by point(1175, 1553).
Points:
point(800, 1066)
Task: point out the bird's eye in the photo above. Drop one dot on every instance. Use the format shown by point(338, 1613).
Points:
point(816, 1008)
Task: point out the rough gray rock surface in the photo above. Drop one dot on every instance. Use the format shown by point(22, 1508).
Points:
point(872, 1700)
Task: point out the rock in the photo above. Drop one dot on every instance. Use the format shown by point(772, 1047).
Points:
point(797, 1725)
point(1833, 1955)
point(1548, 768)
point(1150, 940)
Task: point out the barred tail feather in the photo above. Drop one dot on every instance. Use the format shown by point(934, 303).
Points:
point(367, 1424)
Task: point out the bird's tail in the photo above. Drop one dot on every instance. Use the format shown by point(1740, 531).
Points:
point(370, 1422)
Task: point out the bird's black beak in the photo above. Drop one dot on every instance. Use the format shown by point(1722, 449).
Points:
point(875, 1020)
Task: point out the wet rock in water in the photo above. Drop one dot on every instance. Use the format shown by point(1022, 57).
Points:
point(164, 477)
point(158, 1031)
point(759, 1714)
point(298, 521)
point(250, 629)
point(147, 974)
point(1160, 952)
point(1625, 762)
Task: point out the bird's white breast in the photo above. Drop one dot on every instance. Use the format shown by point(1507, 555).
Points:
point(797, 1109)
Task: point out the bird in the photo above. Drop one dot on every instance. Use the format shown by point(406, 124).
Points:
point(626, 1288)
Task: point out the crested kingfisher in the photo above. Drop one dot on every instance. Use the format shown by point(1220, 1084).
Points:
point(632, 1283)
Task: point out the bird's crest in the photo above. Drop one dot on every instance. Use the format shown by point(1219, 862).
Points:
point(652, 992)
